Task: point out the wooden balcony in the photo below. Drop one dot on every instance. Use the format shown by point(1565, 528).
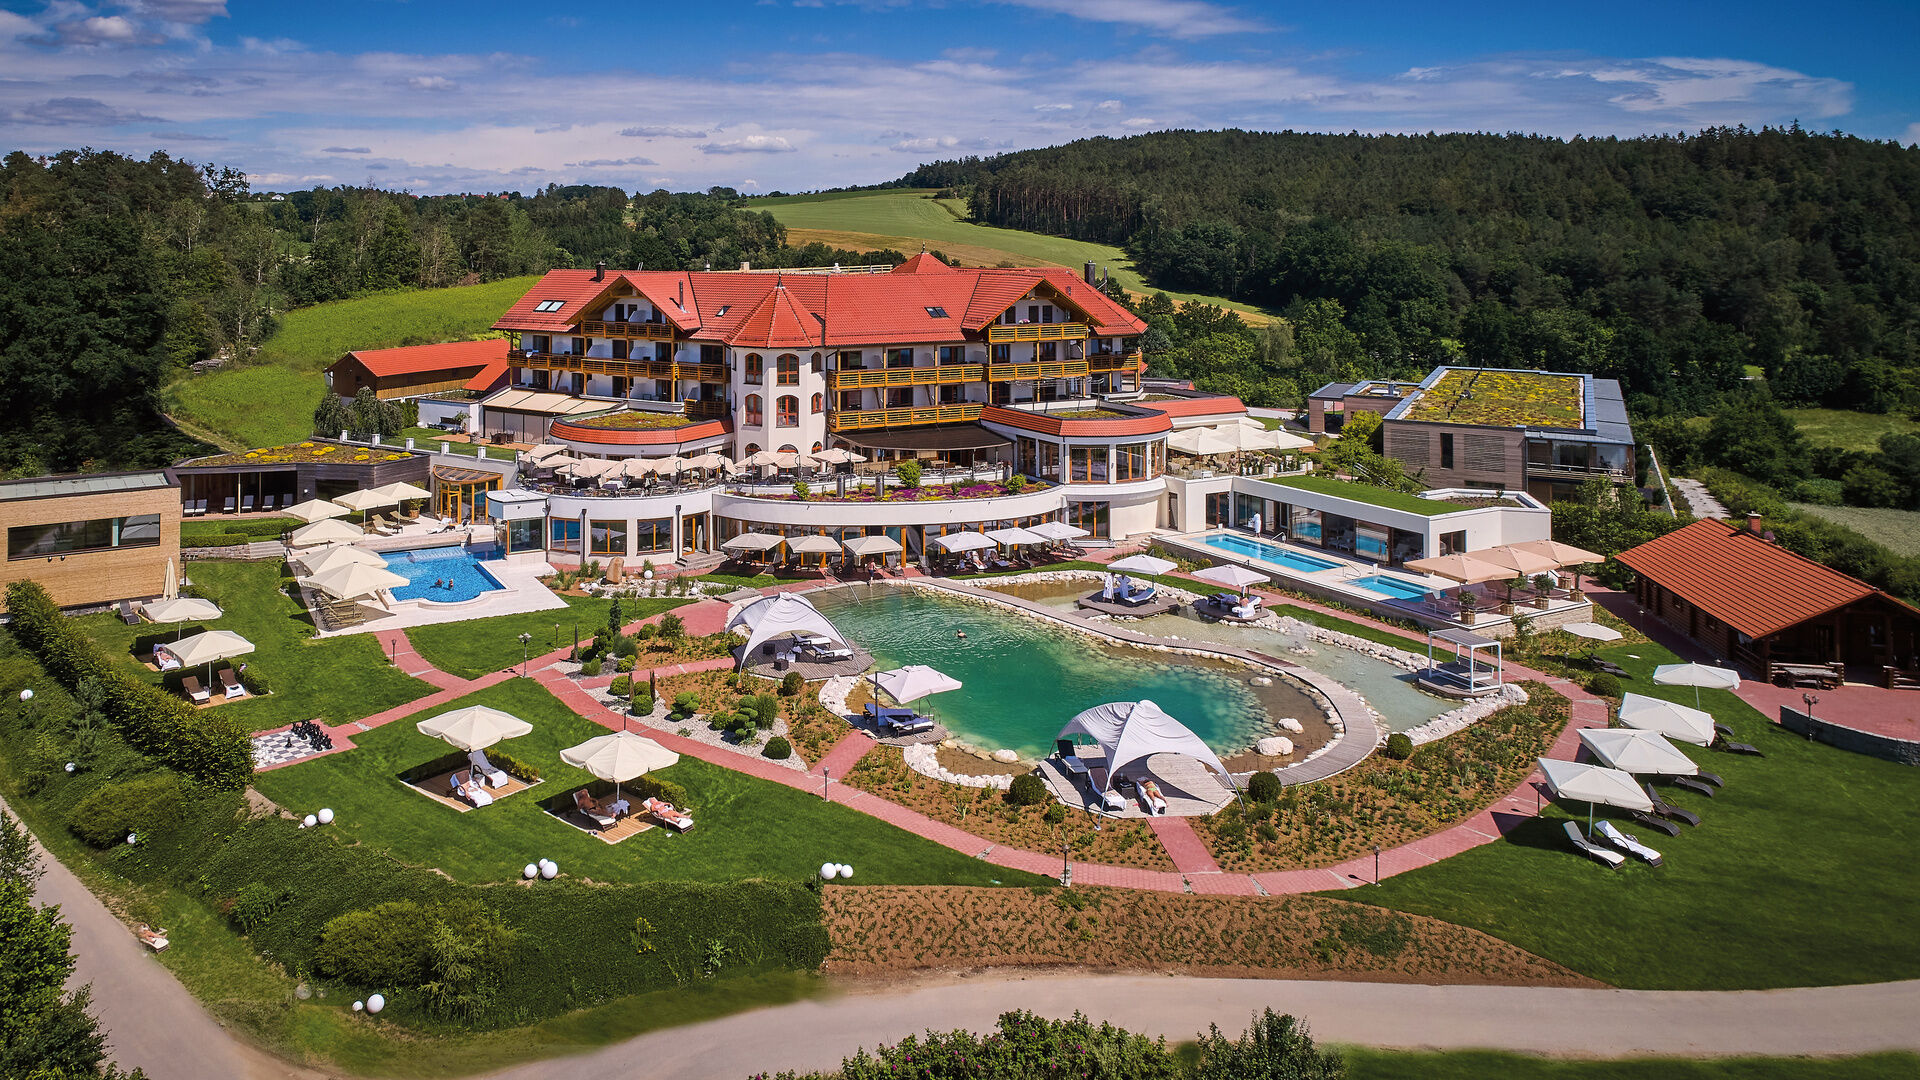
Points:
point(631, 369)
point(868, 419)
point(1045, 369)
point(1100, 363)
point(660, 331)
point(861, 378)
point(1067, 331)
point(707, 410)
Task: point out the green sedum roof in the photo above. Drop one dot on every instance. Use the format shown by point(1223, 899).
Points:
point(1366, 493)
point(1501, 399)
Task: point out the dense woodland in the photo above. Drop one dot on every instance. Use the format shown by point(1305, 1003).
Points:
point(118, 274)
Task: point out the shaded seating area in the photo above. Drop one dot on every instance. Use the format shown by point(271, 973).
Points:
point(468, 779)
point(1149, 764)
point(785, 633)
point(617, 759)
point(1466, 675)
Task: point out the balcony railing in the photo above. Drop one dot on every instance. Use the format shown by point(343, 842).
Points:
point(858, 378)
point(1555, 468)
point(707, 410)
point(867, 419)
point(660, 331)
point(1036, 332)
point(1104, 362)
point(1045, 369)
point(604, 365)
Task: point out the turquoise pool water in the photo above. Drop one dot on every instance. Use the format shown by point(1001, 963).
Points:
point(1022, 679)
point(1265, 552)
point(1391, 586)
point(443, 575)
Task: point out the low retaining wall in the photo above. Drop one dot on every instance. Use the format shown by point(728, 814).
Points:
point(1904, 751)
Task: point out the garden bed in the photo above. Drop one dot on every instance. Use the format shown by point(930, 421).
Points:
point(903, 930)
point(986, 813)
point(811, 729)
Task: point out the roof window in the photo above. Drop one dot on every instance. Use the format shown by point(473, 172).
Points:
point(722, 311)
point(937, 312)
point(550, 305)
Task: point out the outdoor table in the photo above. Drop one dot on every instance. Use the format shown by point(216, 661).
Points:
point(620, 808)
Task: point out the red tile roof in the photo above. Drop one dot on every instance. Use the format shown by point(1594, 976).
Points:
point(1048, 424)
point(446, 356)
point(923, 263)
point(1734, 575)
point(488, 377)
point(567, 431)
point(1200, 406)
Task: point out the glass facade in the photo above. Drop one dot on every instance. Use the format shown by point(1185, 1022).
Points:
point(652, 535)
point(609, 537)
point(1091, 516)
point(564, 535)
point(97, 534)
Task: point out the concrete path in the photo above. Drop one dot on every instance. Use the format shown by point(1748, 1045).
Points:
point(1699, 500)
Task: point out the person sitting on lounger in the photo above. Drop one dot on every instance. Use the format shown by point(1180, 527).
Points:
point(473, 791)
point(1150, 797)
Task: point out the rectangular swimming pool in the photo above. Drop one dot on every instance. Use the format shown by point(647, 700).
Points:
point(1397, 588)
point(442, 575)
point(1265, 552)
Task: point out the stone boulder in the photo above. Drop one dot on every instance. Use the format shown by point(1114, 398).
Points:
point(1276, 746)
point(1006, 757)
point(1290, 724)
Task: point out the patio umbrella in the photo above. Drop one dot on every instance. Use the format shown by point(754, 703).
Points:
point(179, 610)
point(355, 580)
point(619, 757)
point(1233, 577)
point(475, 727)
point(837, 456)
point(1640, 752)
point(779, 459)
point(1143, 564)
point(1465, 569)
point(1669, 718)
point(538, 455)
point(1561, 554)
point(1697, 676)
point(1015, 536)
point(364, 500)
point(915, 681)
point(1593, 784)
point(753, 542)
point(401, 491)
point(316, 510)
point(633, 468)
point(1592, 631)
point(863, 546)
point(207, 647)
point(319, 562)
point(813, 544)
point(1514, 559)
point(170, 587)
point(1057, 531)
point(1200, 442)
point(710, 461)
point(324, 532)
point(956, 543)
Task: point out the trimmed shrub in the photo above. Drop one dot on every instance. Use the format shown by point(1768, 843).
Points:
point(1028, 790)
point(642, 703)
point(777, 748)
point(1604, 685)
point(1055, 814)
point(685, 704)
point(1399, 746)
point(1263, 787)
point(591, 667)
point(792, 684)
point(621, 686)
point(763, 708)
point(147, 804)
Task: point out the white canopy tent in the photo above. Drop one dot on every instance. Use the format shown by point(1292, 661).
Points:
point(786, 615)
point(1057, 531)
point(364, 500)
point(956, 543)
point(837, 456)
point(711, 461)
point(1234, 577)
point(753, 611)
point(475, 727)
point(1640, 752)
point(1671, 719)
point(325, 531)
point(1592, 631)
point(1593, 784)
point(1143, 564)
point(915, 681)
point(1132, 731)
point(1200, 442)
point(540, 454)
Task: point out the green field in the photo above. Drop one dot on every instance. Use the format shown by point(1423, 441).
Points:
point(905, 219)
point(270, 400)
point(1898, 530)
point(1482, 1064)
point(1844, 430)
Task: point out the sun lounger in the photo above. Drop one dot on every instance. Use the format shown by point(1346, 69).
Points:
point(195, 692)
point(1727, 746)
point(916, 725)
point(1627, 842)
point(485, 768)
point(229, 684)
point(163, 659)
point(1652, 822)
point(150, 937)
point(1722, 730)
point(466, 787)
point(669, 815)
point(1711, 778)
point(584, 803)
point(1070, 758)
point(1612, 859)
point(1691, 784)
point(1669, 811)
point(1150, 798)
point(127, 614)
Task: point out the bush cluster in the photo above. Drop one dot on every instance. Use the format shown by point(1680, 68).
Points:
point(144, 805)
point(1263, 787)
point(1399, 746)
point(1028, 789)
point(621, 686)
point(792, 684)
point(457, 760)
point(777, 748)
point(209, 746)
point(1604, 685)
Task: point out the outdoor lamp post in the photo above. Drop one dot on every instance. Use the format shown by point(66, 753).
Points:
point(825, 775)
point(524, 638)
point(1376, 864)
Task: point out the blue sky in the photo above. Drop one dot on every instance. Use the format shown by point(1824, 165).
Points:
point(799, 94)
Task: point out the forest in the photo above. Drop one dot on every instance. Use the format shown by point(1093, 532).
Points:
point(118, 274)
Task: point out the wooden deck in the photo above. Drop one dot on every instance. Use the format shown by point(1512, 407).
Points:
point(439, 788)
point(1093, 602)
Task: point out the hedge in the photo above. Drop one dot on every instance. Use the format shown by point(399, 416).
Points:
point(458, 760)
point(206, 745)
point(195, 533)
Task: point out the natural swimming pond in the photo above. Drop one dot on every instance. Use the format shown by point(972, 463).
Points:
point(442, 575)
point(1023, 678)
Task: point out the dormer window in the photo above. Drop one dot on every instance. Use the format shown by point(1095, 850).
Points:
point(549, 305)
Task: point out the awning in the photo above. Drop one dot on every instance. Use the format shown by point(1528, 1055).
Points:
point(944, 437)
point(543, 402)
point(1466, 639)
point(753, 542)
point(453, 474)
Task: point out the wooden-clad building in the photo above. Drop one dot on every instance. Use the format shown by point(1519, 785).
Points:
point(1750, 601)
point(92, 540)
point(418, 370)
point(276, 477)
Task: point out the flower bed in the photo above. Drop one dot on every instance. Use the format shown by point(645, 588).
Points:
point(929, 493)
point(634, 420)
point(810, 727)
point(293, 453)
point(1501, 399)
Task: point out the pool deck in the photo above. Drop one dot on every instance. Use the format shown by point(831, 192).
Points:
point(520, 574)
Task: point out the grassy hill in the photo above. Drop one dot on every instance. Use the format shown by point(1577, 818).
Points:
point(271, 400)
point(1842, 429)
point(904, 219)
point(1899, 530)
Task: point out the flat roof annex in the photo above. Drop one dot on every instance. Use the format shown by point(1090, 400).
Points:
point(52, 487)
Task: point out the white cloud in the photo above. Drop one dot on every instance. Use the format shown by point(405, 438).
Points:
point(96, 30)
point(79, 112)
point(1053, 107)
point(431, 82)
point(1174, 18)
point(749, 144)
point(1912, 137)
point(609, 163)
point(346, 150)
point(655, 132)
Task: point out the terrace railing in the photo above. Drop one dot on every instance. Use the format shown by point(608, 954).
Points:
point(660, 331)
point(1036, 332)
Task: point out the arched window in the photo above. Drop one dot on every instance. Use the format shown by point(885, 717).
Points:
point(816, 363)
point(819, 403)
point(789, 370)
point(753, 410)
point(816, 449)
point(752, 449)
point(787, 411)
point(789, 449)
point(753, 369)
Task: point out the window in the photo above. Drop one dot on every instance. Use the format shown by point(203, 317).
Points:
point(713, 354)
point(816, 449)
point(819, 404)
point(609, 537)
point(1049, 350)
point(1091, 516)
point(1219, 508)
point(1304, 525)
point(1088, 465)
point(1033, 313)
point(788, 368)
point(651, 536)
point(1002, 353)
point(722, 311)
point(1130, 462)
point(97, 534)
point(1446, 449)
point(1046, 314)
point(899, 358)
point(753, 410)
point(852, 360)
point(754, 364)
point(549, 305)
point(566, 535)
point(752, 449)
point(789, 448)
point(953, 354)
point(786, 410)
point(937, 312)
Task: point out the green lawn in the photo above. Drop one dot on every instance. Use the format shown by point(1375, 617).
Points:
point(271, 400)
point(426, 438)
point(1843, 429)
point(333, 679)
point(745, 827)
point(1797, 876)
point(1359, 630)
point(1365, 1064)
point(1899, 530)
point(904, 218)
point(480, 646)
point(1366, 493)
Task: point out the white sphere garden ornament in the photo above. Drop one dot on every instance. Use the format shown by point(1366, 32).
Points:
point(133, 838)
point(846, 871)
point(358, 1005)
point(69, 766)
point(376, 1003)
point(325, 816)
point(26, 695)
point(549, 869)
point(532, 871)
point(309, 821)
point(829, 870)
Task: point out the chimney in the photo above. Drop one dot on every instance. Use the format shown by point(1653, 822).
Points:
point(600, 270)
point(744, 265)
point(1753, 524)
point(639, 266)
point(1088, 272)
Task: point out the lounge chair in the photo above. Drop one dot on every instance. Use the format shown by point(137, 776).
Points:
point(246, 504)
point(1150, 798)
point(884, 715)
point(466, 787)
point(164, 660)
point(194, 691)
point(1627, 842)
point(127, 614)
point(227, 505)
point(1669, 811)
point(1612, 859)
point(584, 803)
point(1727, 746)
point(1692, 784)
point(1070, 757)
point(1711, 778)
point(1651, 822)
point(230, 685)
point(667, 814)
point(155, 939)
point(482, 767)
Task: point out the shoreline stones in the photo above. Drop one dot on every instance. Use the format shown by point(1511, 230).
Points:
point(924, 758)
point(1274, 746)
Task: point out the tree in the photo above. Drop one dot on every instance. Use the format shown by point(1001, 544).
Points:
point(1607, 518)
